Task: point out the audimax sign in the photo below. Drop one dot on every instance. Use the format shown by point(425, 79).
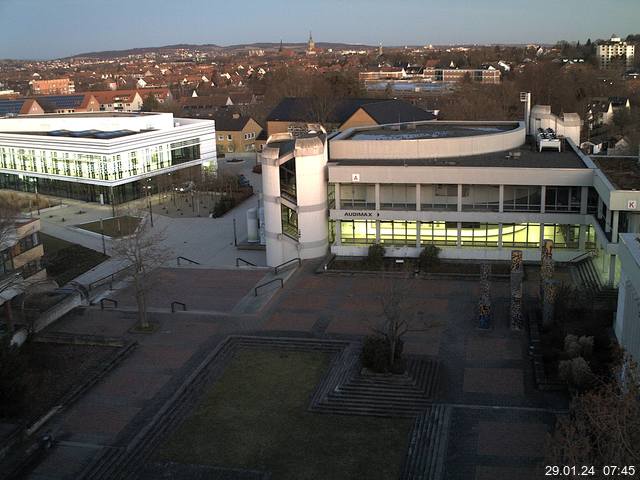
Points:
point(363, 214)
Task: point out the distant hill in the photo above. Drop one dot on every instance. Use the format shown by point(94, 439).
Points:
point(213, 47)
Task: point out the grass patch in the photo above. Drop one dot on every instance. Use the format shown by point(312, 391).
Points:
point(113, 227)
point(255, 417)
point(65, 260)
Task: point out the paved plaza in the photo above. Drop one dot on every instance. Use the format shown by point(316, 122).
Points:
point(499, 420)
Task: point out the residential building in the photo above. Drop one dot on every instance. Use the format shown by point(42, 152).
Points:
point(76, 103)
point(105, 157)
point(21, 253)
point(478, 190)
point(20, 106)
point(56, 86)
point(431, 74)
point(119, 100)
point(601, 111)
point(236, 133)
point(615, 52)
point(294, 114)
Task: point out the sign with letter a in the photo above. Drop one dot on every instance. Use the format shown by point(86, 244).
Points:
point(355, 177)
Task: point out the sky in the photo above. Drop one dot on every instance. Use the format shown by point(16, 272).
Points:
point(44, 29)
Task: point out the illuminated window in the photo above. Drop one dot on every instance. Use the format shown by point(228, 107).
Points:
point(358, 232)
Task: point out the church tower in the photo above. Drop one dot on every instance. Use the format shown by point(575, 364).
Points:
point(311, 46)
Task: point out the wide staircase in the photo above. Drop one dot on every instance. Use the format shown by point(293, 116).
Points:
point(586, 276)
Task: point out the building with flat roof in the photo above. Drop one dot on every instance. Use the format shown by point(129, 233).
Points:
point(105, 157)
point(615, 51)
point(477, 190)
point(55, 86)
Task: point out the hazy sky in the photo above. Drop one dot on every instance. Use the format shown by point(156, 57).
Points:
point(56, 28)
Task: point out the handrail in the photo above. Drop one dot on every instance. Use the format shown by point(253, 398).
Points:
point(173, 306)
point(114, 302)
point(110, 277)
point(586, 254)
point(238, 260)
point(278, 267)
point(187, 259)
point(255, 290)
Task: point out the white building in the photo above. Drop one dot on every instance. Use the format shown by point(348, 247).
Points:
point(103, 156)
point(476, 189)
point(627, 324)
point(615, 48)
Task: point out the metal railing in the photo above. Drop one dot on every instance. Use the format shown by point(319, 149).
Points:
point(582, 256)
point(288, 262)
point(110, 300)
point(187, 260)
point(108, 279)
point(255, 290)
point(173, 306)
point(238, 260)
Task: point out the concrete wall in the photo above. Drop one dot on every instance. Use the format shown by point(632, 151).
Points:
point(344, 148)
point(627, 322)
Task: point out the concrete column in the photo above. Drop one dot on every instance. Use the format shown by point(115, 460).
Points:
point(501, 199)
point(541, 234)
point(418, 200)
point(582, 240)
point(543, 198)
point(377, 231)
point(338, 228)
point(584, 196)
point(612, 270)
point(337, 194)
point(607, 221)
point(459, 198)
point(615, 221)
point(377, 196)
point(459, 235)
point(499, 235)
point(600, 204)
point(418, 234)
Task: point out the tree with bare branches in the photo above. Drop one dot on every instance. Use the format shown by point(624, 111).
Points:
point(144, 251)
point(400, 316)
point(603, 425)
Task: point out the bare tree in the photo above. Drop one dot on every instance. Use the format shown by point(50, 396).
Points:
point(144, 251)
point(400, 315)
point(603, 425)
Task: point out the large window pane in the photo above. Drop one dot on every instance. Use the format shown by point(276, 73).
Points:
point(439, 197)
point(482, 197)
point(522, 198)
point(398, 196)
point(289, 222)
point(521, 235)
point(357, 232)
point(357, 196)
point(562, 199)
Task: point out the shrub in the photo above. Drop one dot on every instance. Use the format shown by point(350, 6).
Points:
point(13, 388)
point(429, 257)
point(376, 352)
point(223, 206)
point(375, 257)
point(575, 372)
point(575, 346)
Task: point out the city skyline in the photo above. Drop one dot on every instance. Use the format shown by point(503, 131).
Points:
point(71, 27)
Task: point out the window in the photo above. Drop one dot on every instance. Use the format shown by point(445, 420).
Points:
point(479, 234)
point(563, 236)
point(398, 196)
point(357, 195)
point(399, 233)
point(521, 235)
point(288, 179)
point(562, 199)
point(358, 232)
point(289, 222)
point(229, 137)
point(482, 197)
point(439, 233)
point(221, 137)
point(439, 197)
point(185, 151)
point(523, 198)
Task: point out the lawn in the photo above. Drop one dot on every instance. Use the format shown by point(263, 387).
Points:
point(65, 260)
point(113, 227)
point(255, 417)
